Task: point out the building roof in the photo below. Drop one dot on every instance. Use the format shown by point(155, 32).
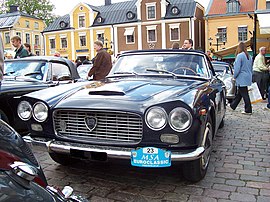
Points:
point(116, 13)
point(219, 7)
point(61, 23)
point(8, 20)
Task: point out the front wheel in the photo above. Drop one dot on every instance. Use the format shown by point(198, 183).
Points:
point(195, 170)
point(63, 159)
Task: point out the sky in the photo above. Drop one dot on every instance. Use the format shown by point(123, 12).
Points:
point(65, 6)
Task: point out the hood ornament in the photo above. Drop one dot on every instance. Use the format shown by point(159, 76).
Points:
point(90, 122)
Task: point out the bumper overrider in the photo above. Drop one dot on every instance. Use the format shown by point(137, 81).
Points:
point(112, 152)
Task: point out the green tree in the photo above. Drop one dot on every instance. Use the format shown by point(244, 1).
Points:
point(41, 9)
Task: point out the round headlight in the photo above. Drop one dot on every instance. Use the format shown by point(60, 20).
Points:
point(156, 118)
point(180, 119)
point(40, 112)
point(24, 110)
point(228, 84)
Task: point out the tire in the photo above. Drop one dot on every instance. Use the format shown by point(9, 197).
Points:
point(63, 159)
point(221, 125)
point(195, 170)
point(3, 116)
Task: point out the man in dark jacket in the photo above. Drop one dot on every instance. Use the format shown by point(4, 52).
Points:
point(102, 63)
point(20, 51)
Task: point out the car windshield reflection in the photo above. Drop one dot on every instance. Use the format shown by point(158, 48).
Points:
point(29, 69)
point(164, 63)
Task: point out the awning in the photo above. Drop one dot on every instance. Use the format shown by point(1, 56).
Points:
point(129, 32)
point(229, 51)
point(264, 23)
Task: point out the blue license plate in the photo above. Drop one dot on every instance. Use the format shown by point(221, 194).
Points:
point(151, 157)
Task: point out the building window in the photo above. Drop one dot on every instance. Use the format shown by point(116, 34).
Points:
point(233, 6)
point(151, 11)
point(129, 33)
point(27, 23)
point(27, 38)
point(52, 43)
point(174, 32)
point(37, 40)
point(267, 4)
point(151, 35)
point(242, 33)
point(100, 36)
point(81, 21)
point(82, 40)
point(7, 38)
point(36, 25)
point(222, 32)
point(19, 34)
point(64, 42)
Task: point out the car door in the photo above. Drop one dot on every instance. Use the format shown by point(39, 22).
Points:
point(59, 73)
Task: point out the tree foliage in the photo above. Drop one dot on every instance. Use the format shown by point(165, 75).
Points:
point(41, 9)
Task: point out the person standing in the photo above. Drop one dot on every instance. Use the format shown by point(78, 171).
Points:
point(243, 77)
point(208, 53)
point(175, 45)
point(261, 72)
point(28, 48)
point(20, 51)
point(188, 44)
point(1, 61)
point(102, 63)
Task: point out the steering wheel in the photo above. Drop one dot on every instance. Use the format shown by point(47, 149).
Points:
point(183, 69)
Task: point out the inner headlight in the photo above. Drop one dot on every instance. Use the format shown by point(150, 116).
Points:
point(24, 110)
point(40, 112)
point(156, 118)
point(180, 119)
point(228, 84)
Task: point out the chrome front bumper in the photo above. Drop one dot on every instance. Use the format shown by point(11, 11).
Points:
point(112, 152)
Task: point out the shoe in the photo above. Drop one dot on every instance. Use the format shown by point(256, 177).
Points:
point(246, 113)
point(266, 108)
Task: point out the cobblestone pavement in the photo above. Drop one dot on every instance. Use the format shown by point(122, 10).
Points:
point(239, 169)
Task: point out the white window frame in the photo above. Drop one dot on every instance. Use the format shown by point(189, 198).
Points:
point(150, 5)
point(37, 44)
point(63, 36)
point(148, 28)
point(52, 37)
point(100, 32)
point(36, 25)
point(7, 42)
point(83, 34)
point(29, 42)
point(130, 29)
point(174, 26)
point(27, 23)
point(19, 34)
point(242, 26)
point(81, 15)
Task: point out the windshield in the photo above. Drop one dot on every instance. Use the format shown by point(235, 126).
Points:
point(32, 69)
point(221, 68)
point(83, 70)
point(162, 63)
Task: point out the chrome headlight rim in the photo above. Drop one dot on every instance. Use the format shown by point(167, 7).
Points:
point(31, 110)
point(34, 115)
point(187, 113)
point(228, 84)
point(163, 111)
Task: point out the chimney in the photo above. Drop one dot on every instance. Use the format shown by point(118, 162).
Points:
point(108, 2)
point(13, 8)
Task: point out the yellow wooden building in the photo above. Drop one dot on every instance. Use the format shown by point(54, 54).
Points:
point(227, 24)
point(28, 27)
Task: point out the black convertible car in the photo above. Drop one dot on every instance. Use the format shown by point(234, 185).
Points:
point(30, 74)
point(154, 108)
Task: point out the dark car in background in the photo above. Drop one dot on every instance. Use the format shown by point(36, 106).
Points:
point(30, 74)
point(21, 177)
point(225, 72)
point(154, 109)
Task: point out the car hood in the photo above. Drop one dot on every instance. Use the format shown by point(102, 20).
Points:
point(20, 85)
point(108, 94)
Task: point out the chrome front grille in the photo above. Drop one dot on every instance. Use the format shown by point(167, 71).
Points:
point(111, 126)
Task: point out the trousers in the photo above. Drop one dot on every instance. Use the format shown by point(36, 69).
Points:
point(242, 92)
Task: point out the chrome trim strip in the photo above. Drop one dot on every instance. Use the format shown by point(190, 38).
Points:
point(112, 152)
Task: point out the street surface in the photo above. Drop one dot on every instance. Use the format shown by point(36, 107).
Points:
point(239, 169)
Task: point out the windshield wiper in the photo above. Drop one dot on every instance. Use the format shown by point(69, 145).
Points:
point(12, 72)
point(32, 73)
point(134, 73)
point(161, 70)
